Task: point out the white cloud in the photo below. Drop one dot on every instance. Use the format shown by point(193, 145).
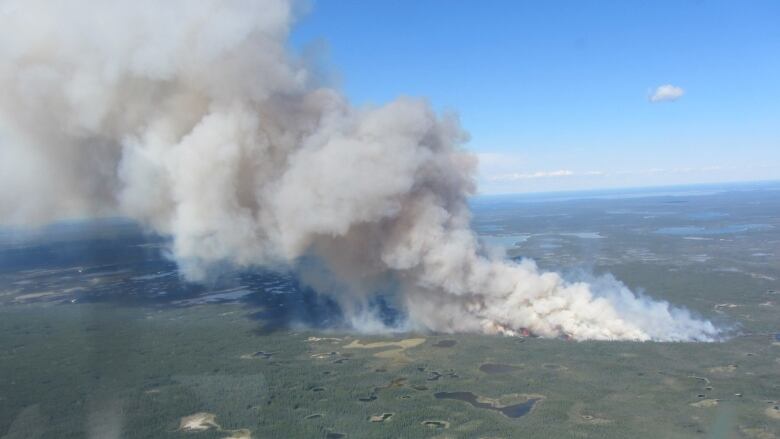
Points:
point(658, 171)
point(541, 174)
point(565, 173)
point(667, 93)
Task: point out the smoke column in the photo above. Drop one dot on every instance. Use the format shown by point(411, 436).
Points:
point(194, 119)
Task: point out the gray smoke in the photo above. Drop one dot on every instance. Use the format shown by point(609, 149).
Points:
point(194, 119)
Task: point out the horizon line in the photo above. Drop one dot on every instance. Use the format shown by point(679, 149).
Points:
point(630, 188)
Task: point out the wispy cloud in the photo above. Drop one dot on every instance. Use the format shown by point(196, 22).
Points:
point(515, 176)
point(518, 176)
point(667, 93)
point(654, 171)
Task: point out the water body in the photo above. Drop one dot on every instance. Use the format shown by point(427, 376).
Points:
point(154, 275)
point(583, 235)
point(381, 418)
point(445, 343)
point(707, 215)
point(511, 411)
point(725, 230)
point(230, 295)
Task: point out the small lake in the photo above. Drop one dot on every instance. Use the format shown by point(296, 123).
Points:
point(512, 411)
point(445, 343)
point(494, 368)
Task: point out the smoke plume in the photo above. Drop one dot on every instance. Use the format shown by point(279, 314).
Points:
point(196, 120)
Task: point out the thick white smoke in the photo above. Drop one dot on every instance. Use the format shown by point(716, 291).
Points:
point(193, 118)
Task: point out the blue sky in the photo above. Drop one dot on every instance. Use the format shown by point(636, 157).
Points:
point(556, 94)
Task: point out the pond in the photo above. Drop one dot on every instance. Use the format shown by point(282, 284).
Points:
point(512, 411)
